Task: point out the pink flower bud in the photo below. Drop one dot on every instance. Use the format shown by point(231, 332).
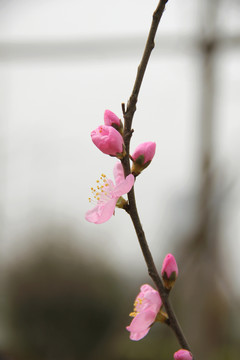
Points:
point(111, 119)
point(169, 271)
point(108, 140)
point(145, 150)
point(142, 156)
point(182, 355)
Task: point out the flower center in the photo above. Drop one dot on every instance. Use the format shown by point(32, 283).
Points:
point(103, 191)
point(137, 306)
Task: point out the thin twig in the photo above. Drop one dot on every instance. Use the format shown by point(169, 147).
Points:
point(173, 322)
point(132, 209)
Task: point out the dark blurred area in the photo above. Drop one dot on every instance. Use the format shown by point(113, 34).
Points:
point(56, 303)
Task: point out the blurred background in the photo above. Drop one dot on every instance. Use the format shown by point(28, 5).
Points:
point(67, 286)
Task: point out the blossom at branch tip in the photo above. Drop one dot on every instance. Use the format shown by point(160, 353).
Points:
point(142, 156)
point(107, 195)
point(111, 119)
point(169, 271)
point(146, 308)
point(108, 140)
point(182, 354)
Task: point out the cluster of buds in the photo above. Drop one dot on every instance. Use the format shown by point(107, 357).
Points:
point(109, 139)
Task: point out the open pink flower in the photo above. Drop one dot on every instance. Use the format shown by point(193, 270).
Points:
point(182, 354)
point(146, 308)
point(107, 195)
point(108, 140)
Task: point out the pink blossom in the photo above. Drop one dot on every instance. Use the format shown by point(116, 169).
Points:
point(146, 308)
point(108, 140)
point(182, 355)
point(169, 265)
point(107, 195)
point(169, 271)
point(142, 157)
point(146, 151)
point(110, 118)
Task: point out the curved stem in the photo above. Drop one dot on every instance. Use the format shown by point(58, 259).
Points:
point(132, 209)
point(173, 323)
point(131, 106)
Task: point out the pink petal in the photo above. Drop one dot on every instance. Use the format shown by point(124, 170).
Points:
point(145, 288)
point(182, 354)
point(141, 303)
point(151, 297)
point(110, 118)
point(142, 321)
point(118, 173)
point(169, 265)
point(124, 187)
point(154, 300)
point(107, 139)
point(147, 149)
point(102, 212)
point(135, 336)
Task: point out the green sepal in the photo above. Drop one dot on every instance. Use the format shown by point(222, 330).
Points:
point(162, 317)
point(119, 128)
point(169, 281)
point(140, 160)
point(138, 165)
point(121, 155)
point(121, 203)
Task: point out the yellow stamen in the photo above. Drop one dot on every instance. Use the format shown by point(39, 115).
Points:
point(133, 314)
point(100, 189)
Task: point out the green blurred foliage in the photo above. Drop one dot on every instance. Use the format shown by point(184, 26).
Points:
point(62, 305)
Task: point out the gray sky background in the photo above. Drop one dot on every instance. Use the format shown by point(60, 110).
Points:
point(50, 103)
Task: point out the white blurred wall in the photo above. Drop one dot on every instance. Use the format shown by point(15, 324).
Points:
point(62, 63)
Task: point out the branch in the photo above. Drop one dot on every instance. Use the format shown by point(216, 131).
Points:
point(152, 271)
point(132, 209)
point(131, 106)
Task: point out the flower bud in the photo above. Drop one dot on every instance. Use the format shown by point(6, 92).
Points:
point(108, 140)
point(169, 271)
point(182, 355)
point(111, 119)
point(142, 156)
